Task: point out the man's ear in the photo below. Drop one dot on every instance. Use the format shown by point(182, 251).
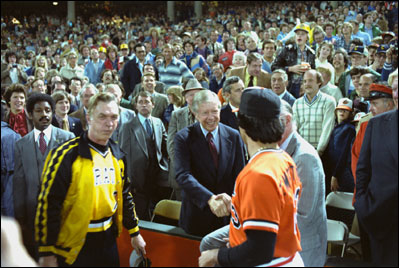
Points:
point(29, 115)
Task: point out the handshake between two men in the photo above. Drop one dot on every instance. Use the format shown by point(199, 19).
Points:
point(220, 204)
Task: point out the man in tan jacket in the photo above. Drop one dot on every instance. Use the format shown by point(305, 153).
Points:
point(252, 74)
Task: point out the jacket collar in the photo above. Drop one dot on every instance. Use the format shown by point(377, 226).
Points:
point(84, 149)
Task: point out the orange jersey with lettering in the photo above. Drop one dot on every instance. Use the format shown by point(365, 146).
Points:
point(265, 198)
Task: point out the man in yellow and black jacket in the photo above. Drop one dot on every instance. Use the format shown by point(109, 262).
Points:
point(84, 197)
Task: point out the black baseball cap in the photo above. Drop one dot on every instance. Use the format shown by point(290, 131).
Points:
point(260, 102)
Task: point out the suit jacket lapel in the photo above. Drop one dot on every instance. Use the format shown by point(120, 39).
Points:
point(29, 155)
point(292, 145)
point(137, 130)
point(225, 152)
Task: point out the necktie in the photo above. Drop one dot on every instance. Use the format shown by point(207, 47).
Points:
point(42, 143)
point(251, 81)
point(212, 148)
point(65, 124)
point(148, 127)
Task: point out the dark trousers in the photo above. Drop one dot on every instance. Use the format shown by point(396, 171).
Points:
point(99, 250)
point(365, 243)
point(146, 200)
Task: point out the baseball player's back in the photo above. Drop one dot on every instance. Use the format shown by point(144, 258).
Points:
point(265, 198)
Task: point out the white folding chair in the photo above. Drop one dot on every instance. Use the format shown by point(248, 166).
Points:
point(343, 200)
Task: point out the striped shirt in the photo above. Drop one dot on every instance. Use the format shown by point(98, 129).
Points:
point(173, 74)
point(315, 120)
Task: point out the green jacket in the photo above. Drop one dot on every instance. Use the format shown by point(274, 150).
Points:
point(375, 29)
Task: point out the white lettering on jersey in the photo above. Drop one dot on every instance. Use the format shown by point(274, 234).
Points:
point(104, 176)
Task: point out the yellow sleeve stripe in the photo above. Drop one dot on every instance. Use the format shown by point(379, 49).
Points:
point(54, 250)
point(48, 176)
point(134, 230)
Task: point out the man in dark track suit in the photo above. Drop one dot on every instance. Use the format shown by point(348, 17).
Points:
point(377, 188)
point(208, 158)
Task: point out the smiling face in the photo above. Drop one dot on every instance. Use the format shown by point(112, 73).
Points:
point(62, 107)
point(208, 115)
point(338, 61)
point(17, 102)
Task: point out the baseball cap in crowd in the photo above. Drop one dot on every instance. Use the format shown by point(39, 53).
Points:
point(186, 34)
point(302, 27)
point(358, 116)
point(388, 33)
point(374, 45)
point(124, 46)
point(102, 49)
point(260, 103)
point(382, 49)
point(378, 91)
point(358, 50)
point(344, 104)
point(191, 85)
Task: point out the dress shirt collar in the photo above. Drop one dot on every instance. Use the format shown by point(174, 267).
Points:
point(142, 119)
point(47, 134)
point(314, 98)
point(214, 133)
point(247, 77)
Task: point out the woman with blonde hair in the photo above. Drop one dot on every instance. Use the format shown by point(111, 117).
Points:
point(40, 61)
point(324, 55)
point(154, 36)
point(176, 101)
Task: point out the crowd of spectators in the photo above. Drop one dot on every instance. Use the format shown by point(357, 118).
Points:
point(348, 45)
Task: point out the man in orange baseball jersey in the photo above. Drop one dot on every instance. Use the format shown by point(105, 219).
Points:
point(263, 228)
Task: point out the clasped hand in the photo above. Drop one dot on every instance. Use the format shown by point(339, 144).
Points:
point(220, 204)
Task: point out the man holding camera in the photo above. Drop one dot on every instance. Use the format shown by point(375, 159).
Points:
point(11, 72)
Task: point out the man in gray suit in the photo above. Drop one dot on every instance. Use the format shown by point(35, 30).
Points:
point(312, 219)
point(180, 119)
point(30, 155)
point(143, 139)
